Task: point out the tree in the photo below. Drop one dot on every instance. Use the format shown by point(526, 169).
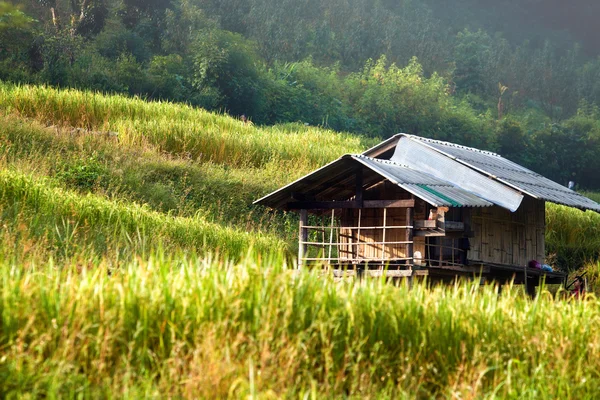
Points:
point(13, 22)
point(11, 17)
point(83, 17)
point(228, 66)
point(470, 54)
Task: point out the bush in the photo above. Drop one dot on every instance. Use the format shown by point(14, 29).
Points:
point(82, 175)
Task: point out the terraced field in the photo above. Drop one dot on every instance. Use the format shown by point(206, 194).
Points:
point(132, 264)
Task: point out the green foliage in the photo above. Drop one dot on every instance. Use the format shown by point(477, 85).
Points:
point(166, 75)
point(114, 43)
point(515, 144)
point(304, 92)
point(229, 64)
point(471, 52)
point(59, 52)
point(82, 175)
point(392, 99)
point(569, 151)
point(11, 17)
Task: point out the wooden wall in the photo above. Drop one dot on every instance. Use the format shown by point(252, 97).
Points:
point(377, 217)
point(509, 238)
point(499, 236)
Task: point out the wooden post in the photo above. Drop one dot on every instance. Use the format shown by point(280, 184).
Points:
point(383, 246)
point(441, 222)
point(331, 239)
point(302, 237)
point(358, 234)
point(409, 233)
point(359, 202)
point(530, 287)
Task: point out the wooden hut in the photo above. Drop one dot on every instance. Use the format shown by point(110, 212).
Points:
point(413, 206)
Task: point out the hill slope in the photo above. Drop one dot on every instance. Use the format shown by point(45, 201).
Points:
point(115, 274)
point(123, 175)
point(195, 173)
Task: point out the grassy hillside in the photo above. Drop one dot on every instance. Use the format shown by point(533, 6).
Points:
point(182, 164)
point(180, 161)
point(132, 264)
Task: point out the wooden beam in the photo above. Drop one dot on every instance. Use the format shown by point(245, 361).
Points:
point(321, 205)
point(328, 205)
point(373, 273)
point(389, 203)
point(465, 269)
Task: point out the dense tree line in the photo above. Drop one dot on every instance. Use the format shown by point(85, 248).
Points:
point(374, 67)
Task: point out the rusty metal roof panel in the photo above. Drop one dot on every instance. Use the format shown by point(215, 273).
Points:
point(323, 177)
point(511, 174)
point(323, 182)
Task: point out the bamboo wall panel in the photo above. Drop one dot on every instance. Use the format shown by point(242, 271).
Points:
point(509, 238)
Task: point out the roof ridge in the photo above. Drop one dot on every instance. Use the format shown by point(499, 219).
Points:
point(386, 162)
point(450, 144)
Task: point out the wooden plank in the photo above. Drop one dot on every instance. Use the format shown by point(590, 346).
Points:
point(427, 223)
point(329, 205)
point(431, 233)
point(389, 204)
point(375, 273)
point(454, 226)
point(325, 244)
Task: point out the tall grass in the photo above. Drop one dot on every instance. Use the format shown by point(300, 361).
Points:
point(181, 129)
point(572, 236)
point(174, 185)
point(195, 328)
point(38, 217)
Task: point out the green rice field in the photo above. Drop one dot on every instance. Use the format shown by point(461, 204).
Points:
point(133, 265)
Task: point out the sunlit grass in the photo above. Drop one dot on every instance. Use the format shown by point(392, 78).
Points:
point(573, 236)
point(175, 185)
point(196, 328)
point(182, 129)
point(38, 217)
point(134, 265)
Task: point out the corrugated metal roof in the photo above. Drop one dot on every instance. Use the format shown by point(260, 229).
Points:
point(435, 191)
point(424, 186)
point(490, 178)
point(420, 157)
point(511, 174)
